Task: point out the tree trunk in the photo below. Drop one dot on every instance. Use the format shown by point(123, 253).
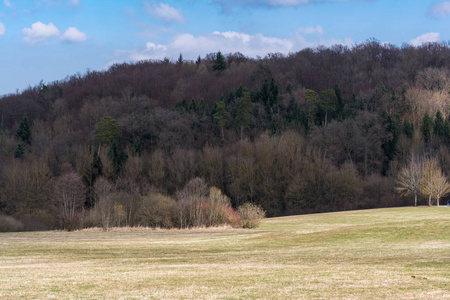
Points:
point(437, 201)
point(242, 131)
point(429, 200)
point(415, 199)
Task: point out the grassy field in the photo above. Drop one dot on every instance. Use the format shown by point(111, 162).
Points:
point(400, 253)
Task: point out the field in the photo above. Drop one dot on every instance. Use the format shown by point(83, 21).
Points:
point(400, 253)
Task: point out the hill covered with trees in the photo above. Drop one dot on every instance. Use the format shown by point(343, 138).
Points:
point(318, 130)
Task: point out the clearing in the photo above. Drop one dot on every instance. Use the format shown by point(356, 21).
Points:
point(382, 253)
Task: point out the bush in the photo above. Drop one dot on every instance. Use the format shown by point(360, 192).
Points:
point(251, 215)
point(9, 224)
point(158, 210)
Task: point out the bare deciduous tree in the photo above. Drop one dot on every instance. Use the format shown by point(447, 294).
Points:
point(434, 183)
point(68, 197)
point(103, 189)
point(409, 178)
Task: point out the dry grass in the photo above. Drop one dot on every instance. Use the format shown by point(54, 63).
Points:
point(400, 253)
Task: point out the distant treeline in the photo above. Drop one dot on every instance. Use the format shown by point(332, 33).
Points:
point(322, 129)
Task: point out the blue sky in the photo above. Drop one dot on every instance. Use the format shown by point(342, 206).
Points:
point(51, 39)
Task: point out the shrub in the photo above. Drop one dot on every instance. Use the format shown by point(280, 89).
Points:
point(251, 215)
point(158, 210)
point(9, 224)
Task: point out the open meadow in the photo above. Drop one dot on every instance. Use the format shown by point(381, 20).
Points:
point(399, 253)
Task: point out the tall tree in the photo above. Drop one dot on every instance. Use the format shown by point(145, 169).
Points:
point(107, 131)
point(313, 99)
point(328, 103)
point(409, 179)
point(427, 126)
point(24, 131)
point(244, 117)
point(434, 183)
point(221, 116)
point(220, 63)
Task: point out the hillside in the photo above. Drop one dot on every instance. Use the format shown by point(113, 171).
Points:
point(319, 130)
point(399, 253)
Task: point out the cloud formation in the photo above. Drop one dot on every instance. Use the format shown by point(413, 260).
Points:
point(440, 9)
point(311, 30)
point(227, 42)
point(2, 28)
point(164, 12)
point(74, 3)
point(73, 35)
point(227, 5)
point(430, 37)
point(40, 32)
point(7, 3)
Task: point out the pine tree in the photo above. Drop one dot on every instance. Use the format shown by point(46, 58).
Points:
point(107, 131)
point(20, 150)
point(408, 128)
point(427, 126)
point(439, 125)
point(24, 131)
point(221, 116)
point(192, 106)
point(219, 63)
point(244, 118)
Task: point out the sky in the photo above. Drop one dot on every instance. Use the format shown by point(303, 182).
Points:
point(48, 40)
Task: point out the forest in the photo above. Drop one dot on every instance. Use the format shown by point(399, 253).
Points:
point(180, 143)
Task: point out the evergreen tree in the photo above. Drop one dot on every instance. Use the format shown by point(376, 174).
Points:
point(408, 129)
point(427, 126)
point(20, 150)
point(181, 105)
point(117, 156)
point(192, 106)
point(198, 61)
point(328, 103)
point(24, 131)
point(219, 63)
point(313, 99)
point(244, 117)
point(439, 125)
point(107, 131)
point(340, 101)
point(221, 116)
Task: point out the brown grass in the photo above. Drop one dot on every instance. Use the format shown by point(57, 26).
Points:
point(400, 253)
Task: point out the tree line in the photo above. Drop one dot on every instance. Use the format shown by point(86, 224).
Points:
point(322, 129)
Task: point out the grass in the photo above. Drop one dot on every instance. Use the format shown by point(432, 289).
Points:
point(400, 253)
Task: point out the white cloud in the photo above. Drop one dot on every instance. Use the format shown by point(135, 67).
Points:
point(2, 28)
point(73, 35)
point(430, 37)
point(40, 32)
point(75, 2)
point(311, 30)
point(164, 12)
point(440, 9)
point(7, 3)
point(227, 42)
point(227, 5)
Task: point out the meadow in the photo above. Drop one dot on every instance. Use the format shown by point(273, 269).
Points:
point(395, 253)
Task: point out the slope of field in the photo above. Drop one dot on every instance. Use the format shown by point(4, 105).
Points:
point(384, 253)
